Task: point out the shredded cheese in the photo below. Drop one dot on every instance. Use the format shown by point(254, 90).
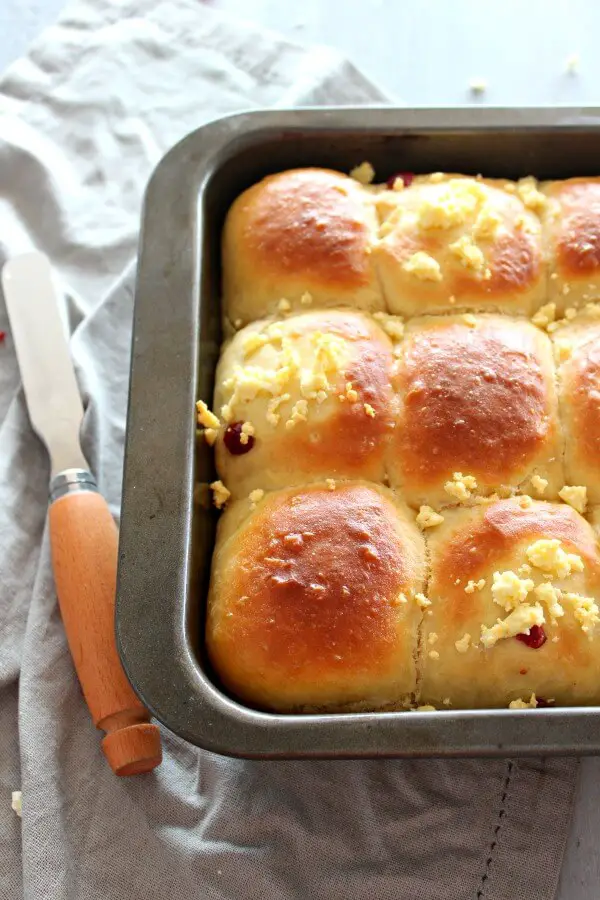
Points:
point(206, 418)
point(508, 590)
point(423, 267)
point(523, 704)
point(461, 487)
point(364, 173)
point(519, 621)
point(548, 556)
point(473, 586)
point(539, 484)
point(428, 518)
point(545, 315)
point(575, 496)
point(463, 644)
point(220, 494)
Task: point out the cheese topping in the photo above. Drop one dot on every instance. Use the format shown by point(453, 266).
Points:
point(433, 654)
point(432, 638)
point(524, 704)
point(470, 256)
point(248, 381)
point(455, 202)
point(423, 267)
point(575, 496)
point(539, 484)
point(206, 418)
point(478, 85)
point(253, 342)
point(17, 803)
point(247, 432)
point(220, 494)
point(550, 597)
point(473, 586)
point(545, 315)
point(351, 395)
point(519, 621)
point(461, 486)
point(563, 350)
point(369, 410)
point(256, 496)
point(548, 555)
point(273, 416)
point(585, 610)
point(508, 590)
point(422, 601)
point(364, 173)
point(427, 708)
point(392, 325)
point(463, 644)
point(284, 305)
point(330, 484)
point(428, 518)
point(529, 194)
point(299, 411)
point(487, 223)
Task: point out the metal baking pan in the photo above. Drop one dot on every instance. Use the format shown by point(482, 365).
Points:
point(167, 533)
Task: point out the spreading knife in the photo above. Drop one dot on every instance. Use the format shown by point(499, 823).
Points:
point(83, 534)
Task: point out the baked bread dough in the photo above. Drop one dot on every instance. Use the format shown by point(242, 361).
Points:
point(306, 233)
point(477, 578)
point(312, 599)
point(454, 243)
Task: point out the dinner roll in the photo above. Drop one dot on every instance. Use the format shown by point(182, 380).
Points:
point(302, 237)
point(477, 399)
point(512, 568)
point(572, 238)
point(315, 392)
point(312, 599)
point(577, 350)
point(453, 243)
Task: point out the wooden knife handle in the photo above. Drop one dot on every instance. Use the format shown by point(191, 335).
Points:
point(84, 543)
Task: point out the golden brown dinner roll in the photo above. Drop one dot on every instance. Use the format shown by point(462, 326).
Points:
point(303, 236)
point(514, 588)
point(572, 238)
point(314, 391)
point(312, 599)
point(577, 350)
point(454, 243)
point(477, 398)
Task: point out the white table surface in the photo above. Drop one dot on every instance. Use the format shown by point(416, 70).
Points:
point(426, 53)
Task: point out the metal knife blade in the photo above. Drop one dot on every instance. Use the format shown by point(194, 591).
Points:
point(47, 373)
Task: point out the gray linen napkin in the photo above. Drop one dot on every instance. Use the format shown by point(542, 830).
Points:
point(83, 119)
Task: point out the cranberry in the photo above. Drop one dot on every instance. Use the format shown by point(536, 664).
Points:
point(233, 439)
point(2, 336)
point(407, 178)
point(536, 637)
point(542, 704)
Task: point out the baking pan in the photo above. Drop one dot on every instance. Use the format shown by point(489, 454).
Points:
point(168, 527)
